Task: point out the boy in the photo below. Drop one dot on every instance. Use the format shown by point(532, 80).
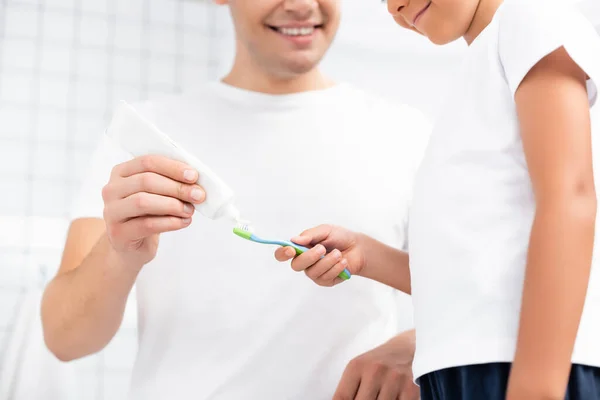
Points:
point(502, 223)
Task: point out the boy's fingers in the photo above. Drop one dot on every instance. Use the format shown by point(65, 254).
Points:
point(322, 267)
point(307, 259)
point(302, 240)
point(337, 281)
point(285, 253)
point(314, 235)
point(333, 273)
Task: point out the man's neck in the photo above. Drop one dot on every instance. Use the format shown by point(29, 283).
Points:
point(256, 79)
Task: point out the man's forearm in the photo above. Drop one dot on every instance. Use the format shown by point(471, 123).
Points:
point(386, 264)
point(82, 309)
point(554, 292)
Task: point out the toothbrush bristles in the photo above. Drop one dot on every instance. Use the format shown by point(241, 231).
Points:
point(244, 226)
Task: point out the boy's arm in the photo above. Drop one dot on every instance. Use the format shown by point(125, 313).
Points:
point(385, 264)
point(359, 253)
point(553, 110)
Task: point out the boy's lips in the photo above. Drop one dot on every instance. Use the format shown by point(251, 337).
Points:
point(420, 13)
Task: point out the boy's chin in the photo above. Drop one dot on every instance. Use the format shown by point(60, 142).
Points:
point(442, 39)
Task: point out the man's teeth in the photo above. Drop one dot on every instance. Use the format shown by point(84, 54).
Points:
point(297, 31)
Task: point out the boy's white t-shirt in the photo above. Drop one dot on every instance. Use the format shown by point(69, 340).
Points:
point(473, 204)
point(219, 318)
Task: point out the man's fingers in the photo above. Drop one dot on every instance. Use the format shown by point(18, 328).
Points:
point(151, 182)
point(307, 259)
point(367, 391)
point(143, 204)
point(349, 383)
point(370, 382)
point(409, 391)
point(391, 388)
point(285, 253)
point(140, 228)
point(175, 170)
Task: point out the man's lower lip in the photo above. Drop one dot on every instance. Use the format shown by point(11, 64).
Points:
point(299, 39)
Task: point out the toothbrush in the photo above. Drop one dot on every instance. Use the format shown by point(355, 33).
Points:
point(244, 231)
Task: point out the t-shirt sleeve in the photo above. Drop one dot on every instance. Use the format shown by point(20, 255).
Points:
point(530, 30)
point(89, 203)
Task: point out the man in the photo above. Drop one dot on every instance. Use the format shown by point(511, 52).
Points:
point(219, 318)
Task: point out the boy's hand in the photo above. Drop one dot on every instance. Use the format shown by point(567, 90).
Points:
point(340, 247)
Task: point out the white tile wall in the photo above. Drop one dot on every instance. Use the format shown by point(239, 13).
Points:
point(93, 31)
point(19, 54)
point(63, 65)
point(16, 88)
point(128, 36)
point(51, 126)
point(58, 24)
point(14, 122)
point(56, 59)
point(21, 20)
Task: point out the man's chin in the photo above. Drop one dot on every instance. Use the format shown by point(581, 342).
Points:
point(302, 63)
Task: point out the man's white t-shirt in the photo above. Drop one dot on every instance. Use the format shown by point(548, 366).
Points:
point(219, 318)
point(473, 203)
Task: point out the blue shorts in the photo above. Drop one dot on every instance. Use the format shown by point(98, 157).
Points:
point(489, 382)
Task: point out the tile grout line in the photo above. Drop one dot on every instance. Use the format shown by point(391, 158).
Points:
point(35, 121)
point(71, 113)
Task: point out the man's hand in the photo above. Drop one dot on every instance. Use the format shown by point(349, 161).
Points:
point(145, 197)
point(384, 373)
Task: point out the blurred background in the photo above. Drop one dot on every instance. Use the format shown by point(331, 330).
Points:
point(63, 66)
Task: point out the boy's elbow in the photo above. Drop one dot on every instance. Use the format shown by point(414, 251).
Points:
point(576, 201)
point(581, 206)
point(585, 202)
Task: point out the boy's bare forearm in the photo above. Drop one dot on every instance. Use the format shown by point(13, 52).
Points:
point(386, 264)
point(82, 309)
point(554, 293)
